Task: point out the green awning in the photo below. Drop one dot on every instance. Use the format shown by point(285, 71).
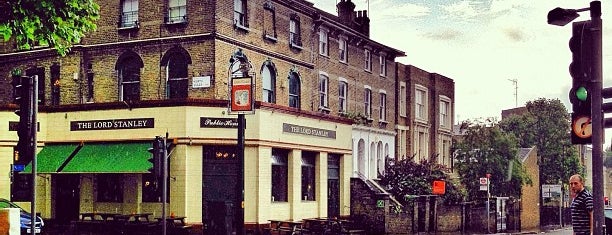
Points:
point(51, 157)
point(110, 158)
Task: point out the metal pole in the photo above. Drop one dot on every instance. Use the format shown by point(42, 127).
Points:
point(240, 184)
point(488, 205)
point(33, 89)
point(164, 185)
point(597, 163)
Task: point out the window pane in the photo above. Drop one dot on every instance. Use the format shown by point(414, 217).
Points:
point(268, 84)
point(342, 86)
point(109, 188)
point(279, 175)
point(294, 91)
point(322, 90)
point(308, 176)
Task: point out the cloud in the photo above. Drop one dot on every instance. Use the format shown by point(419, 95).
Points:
point(464, 11)
point(384, 10)
point(515, 34)
point(444, 35)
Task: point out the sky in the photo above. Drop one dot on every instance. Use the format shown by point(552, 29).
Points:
point(483, 45)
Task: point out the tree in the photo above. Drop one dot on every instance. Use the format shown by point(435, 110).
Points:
point(407, 177)
point(56, 23)
point(546, 125)
point(486, 149)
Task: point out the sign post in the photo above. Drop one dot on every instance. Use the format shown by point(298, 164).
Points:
point(241, 102)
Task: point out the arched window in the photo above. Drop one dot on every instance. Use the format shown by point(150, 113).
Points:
point(361, 157)
point(380, 159)
point(372, 161)
point(294, 90)
point(128, 70)
point(268, 79)
point(176, 62)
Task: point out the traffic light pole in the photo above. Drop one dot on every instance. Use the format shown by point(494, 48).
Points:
point(164, 185)
point(32, 121)
point(597, 119)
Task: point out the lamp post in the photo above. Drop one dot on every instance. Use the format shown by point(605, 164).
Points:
point(561, 17)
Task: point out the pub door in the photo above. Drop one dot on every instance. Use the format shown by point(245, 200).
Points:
point(218, 189)
point(66, 191)
point(333, 186)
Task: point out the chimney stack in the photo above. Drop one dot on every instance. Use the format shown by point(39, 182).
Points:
point(346, 10)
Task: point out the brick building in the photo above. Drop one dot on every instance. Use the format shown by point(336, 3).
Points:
point(425, 115)
point(324, 98)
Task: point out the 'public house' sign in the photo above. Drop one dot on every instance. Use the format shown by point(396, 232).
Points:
point(311, 131)
point(112, 124)
point(218, 122)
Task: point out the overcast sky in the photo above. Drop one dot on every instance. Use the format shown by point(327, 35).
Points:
point(482, 45)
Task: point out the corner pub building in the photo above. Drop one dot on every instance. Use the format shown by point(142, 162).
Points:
point(157, 66)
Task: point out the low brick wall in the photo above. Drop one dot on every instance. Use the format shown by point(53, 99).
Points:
point(449, 218)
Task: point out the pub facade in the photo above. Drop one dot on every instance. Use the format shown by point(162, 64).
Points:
point(163, 67)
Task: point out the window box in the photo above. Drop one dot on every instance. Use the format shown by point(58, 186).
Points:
point(324, 110)
point(241, 27)
point(124, 26)
point(175, 20)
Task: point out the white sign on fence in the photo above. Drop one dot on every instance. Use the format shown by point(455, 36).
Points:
point(483, 184)
point(551, 190)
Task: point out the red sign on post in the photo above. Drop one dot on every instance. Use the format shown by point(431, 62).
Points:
point(439, 187)
point(241, 95)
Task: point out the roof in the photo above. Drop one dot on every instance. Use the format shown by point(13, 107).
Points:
point(523, 153)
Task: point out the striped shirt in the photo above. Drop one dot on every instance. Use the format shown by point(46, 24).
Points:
point(582, 205)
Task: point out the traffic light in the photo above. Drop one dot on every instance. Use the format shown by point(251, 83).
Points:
point(581, 71)
point(157, 158)
point(23, 97)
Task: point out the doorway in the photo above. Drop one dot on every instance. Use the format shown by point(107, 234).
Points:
point(66, 193)
point(333, 185)
point(219, 182)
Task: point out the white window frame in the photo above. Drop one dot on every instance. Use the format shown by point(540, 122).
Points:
point(367, 101)
point(268, 78)
point(295, 31)
point(383, 106)
point(240, 16)
point(367, 60)
point(177, 11)
point(323, 91)
point(127, 10)
point(402, 99)
point(383, 65)
point(445, 112)
point(342, 95)
point(342, 49)
point(323, 42)
point(420, 102)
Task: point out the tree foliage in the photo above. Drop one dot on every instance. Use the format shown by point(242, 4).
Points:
point(56, 23)
point(546, 125)
point(486, 149)
point(407, 177)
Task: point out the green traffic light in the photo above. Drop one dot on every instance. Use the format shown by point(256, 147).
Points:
point(581, 93)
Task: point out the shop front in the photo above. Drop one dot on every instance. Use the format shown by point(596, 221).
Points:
point(97, 161)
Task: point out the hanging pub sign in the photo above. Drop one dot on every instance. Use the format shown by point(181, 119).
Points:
point(241, 95)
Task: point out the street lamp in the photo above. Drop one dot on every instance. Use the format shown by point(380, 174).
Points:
point(561, 17)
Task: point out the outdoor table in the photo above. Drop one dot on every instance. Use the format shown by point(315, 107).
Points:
point(175, 220)
point(140, 217)
point(92, 216)
point(293, 227)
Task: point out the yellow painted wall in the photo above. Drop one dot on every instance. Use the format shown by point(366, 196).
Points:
point(264, 132)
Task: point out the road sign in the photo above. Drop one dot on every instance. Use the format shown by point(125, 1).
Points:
point(483, 184)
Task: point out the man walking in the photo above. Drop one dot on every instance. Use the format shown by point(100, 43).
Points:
point(582, 207)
